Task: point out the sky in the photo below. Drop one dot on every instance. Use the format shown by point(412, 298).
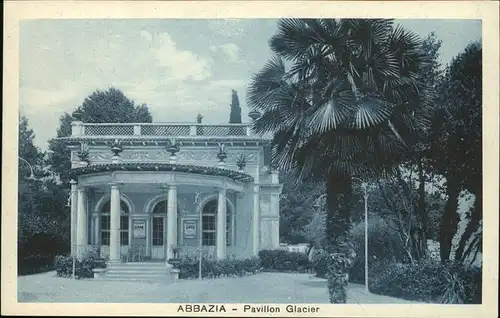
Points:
point(178, 67)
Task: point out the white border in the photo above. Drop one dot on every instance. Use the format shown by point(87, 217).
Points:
point(17, 10)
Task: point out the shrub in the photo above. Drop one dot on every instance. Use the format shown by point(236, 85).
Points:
point(338, 264)
point(282, 260)
point(429, 281)
point(319, 263)
point(83, 268)
point(189, 267)
point(384, 246)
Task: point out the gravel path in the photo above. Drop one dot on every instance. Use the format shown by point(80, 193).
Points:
point(259, 288)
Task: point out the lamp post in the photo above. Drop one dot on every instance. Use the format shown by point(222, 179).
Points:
point(68, 204)
point(196, 202)
point(364, 185)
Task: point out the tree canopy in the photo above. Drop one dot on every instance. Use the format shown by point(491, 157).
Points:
point(110, 106)
point(456, 142)
point(350, 103)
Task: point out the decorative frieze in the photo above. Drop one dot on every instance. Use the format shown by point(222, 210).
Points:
point(208, 156)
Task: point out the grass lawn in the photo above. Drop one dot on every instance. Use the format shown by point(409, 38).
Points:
point(259, 288)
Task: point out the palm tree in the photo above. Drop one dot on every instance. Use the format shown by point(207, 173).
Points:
point(342, 98)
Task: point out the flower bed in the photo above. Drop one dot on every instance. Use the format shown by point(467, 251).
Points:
point(189, 267)
point(284, 261)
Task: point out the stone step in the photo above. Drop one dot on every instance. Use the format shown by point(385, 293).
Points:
point(145, 266)
point(138, 263)
point(138, 269)
point(133, 272)
point(159, 279)
point(120, 274)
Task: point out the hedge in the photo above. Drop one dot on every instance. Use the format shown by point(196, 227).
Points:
point(36, 254)
point(189, 267)
point(63, 265)
point(282, 260)
point(429, 281)
point(34, 264)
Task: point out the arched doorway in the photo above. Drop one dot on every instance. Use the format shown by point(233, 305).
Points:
point(159, 230)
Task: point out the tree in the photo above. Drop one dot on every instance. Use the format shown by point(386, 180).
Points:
point(315, 230)
point(110, 106)
point(350, 103)
point(30, 157)
point(456, 142)
point(42, 215)
point(420, 151)
point(235, 115)
point(297, 207)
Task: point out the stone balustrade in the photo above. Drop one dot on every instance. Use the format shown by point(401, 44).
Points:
point(161, 129)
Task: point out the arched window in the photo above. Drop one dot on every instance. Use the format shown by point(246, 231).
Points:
point(161, 207)
point(209, 224)
point(105, 223)
point(159, 213)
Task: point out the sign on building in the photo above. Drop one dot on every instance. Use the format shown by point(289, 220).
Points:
point(190, 229)
point(139, 228)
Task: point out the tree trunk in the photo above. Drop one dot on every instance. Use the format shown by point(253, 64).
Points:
point(422, 228)
point(417, 240)
point(472, 226)
point(449, 220)
point(341, 255)
point(339, 191)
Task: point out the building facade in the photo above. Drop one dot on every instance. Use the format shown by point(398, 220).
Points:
point(172, 188)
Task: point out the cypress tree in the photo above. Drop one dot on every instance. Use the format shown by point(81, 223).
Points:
point(235, 116)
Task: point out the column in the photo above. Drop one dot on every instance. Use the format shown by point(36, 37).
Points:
point(171, 220)
point(275, 211)
point(221, 225)
point(256, 220)
point(97, 230)
point(92, 229)
point(74, 215)
point(114, 226)
point(81, 240)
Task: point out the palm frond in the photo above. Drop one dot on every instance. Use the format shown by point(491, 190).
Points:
point(352, 100)
point(293, 38)
point(372, 112)
point(332, 112)
point(263, 84)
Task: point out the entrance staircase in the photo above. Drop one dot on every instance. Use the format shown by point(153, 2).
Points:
point(138, 271)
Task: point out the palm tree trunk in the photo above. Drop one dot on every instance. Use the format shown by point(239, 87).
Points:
point(449, 220)
point(339, 192)
point(341, 256)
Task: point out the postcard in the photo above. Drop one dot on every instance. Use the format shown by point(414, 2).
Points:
point(235, 158)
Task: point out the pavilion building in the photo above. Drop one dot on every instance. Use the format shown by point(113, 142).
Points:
point(172, 188)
